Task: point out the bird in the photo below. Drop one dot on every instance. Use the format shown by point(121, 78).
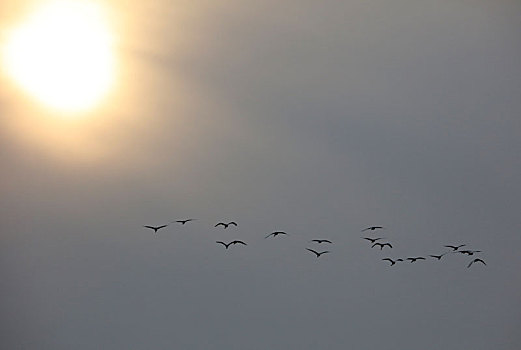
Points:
point(417, 258)
point(318, 253)
point(372, 240)
point(237, 242)
point(321, 241)
point(392, 261)
point(372, 228)
point(382, 245)
point(182, 222)
point(454, 248)
point(276, 233)
point(224, 244)
point(476, 260)
point(155, 228)
point(437, 256)
point(469, 252)
point(225, 225)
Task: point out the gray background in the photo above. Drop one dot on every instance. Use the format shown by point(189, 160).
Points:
point(318, 118)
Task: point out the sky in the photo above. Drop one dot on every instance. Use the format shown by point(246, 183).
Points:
point(315, 118)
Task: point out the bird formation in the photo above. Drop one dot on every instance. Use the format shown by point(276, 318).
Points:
point(453, 249)
point(374, 241)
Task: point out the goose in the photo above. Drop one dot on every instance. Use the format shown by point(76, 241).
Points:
point(226, 224)
point(381, 245)
point(155, 228)
point(318, 254)
point(372, 228)
point(276, 233)
point(454, 248)
point(321, 241)
point(476, 260)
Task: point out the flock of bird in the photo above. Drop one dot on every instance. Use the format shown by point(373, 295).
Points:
point(453, 249)
point(374, 241)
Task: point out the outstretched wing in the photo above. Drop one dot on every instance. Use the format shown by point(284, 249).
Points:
point(314, 252)
point(239, 242)
point(221, 224)
point(232, 223)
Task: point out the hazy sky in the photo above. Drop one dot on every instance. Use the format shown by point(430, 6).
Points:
point(316, 118)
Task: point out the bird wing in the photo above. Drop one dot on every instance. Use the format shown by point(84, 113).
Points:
point(239, 242)
point(389, 244)
point(314, 251)
point(150, 227)
point(374, 245)
point(273, 233)
point(232, 223)
point(327, 241)
point(221, 242)
point(220, 224)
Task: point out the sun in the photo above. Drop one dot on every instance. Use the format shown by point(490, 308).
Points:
point(62, 55)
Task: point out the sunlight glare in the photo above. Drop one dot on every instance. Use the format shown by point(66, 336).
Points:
point(62, 55)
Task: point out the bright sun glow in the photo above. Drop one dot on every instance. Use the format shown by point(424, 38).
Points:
point(62, 55)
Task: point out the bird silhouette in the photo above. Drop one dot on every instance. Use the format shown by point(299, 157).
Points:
point(437, 256)
point(469, 252)
point(417, 258)
point(226, 224)
point(182, 222)
point(372, 240)
point(226, 245)
point(155, 228)
point(382, 245)
point(276, 233)
point(392, 261)
point(454, 247)
point(476, 260)
point(372, 228)
point(321, 241)
point(318, 254)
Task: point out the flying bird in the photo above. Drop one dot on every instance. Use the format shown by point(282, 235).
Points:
point(372, 240)
point(182, 222)
point(382, 245)
point(437, 256)
point(318, 253)
point(476, 260)
point(417, 258)
point(392, 261)
point(226, 245)
point(276, 233)
point(226, 224)
point(372, 228)
point(155, 228)
point(469, 252)
point(454, 248)
point(321, 241)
